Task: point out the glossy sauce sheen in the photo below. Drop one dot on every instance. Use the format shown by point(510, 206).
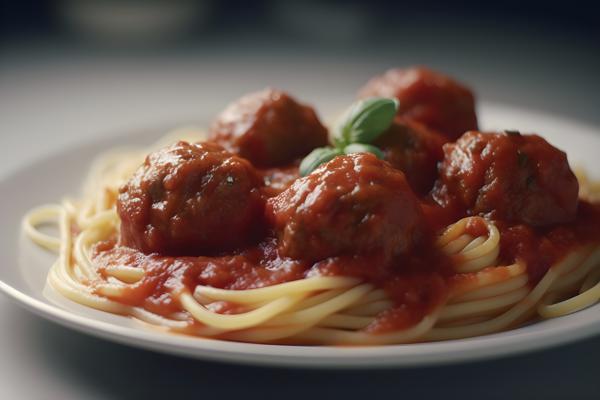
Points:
point(202, 214)
point(540, 248)
point(414, 277)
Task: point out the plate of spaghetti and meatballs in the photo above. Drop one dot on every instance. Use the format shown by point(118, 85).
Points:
point(419, 227)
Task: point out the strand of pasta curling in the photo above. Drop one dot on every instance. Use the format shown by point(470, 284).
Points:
point(587, 296)
point(96, 210)
point(588, 188)
point(496, 287)
point(328, 321)
point(297, 336)
point(474, 306)
point(471, 253)
point(520, 309)
point(66, 277)
point(97, 220)
point(476, 251)
point(344, 327)
point(513, 291)
point(76, 287)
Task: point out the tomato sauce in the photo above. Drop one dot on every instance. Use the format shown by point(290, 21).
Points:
point(203, 214)
point(476, 227)
point(417, 283)
point(540, 248)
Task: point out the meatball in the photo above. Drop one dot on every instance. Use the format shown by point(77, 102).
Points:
point(508, 176)
point(429, 97)
point(354, 204)
point(415, 150)
point(269, 128)
point(190, 199)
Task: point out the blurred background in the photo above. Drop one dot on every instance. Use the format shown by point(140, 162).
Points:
point(72, 70)
point(145, 61)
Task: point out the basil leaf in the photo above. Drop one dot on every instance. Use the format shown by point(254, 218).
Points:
point(317, 157)
point(366, 120)
point(363, 148)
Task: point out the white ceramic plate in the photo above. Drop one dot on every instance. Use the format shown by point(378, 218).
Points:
point(23, 273)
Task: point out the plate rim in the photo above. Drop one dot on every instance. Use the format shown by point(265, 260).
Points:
point(295, 356)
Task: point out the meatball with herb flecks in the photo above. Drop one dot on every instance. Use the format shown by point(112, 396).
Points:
point(508, 176)
point(269, 128)
point(354, 204)
point(429, 97)
point(190, 199)
point(415, 150)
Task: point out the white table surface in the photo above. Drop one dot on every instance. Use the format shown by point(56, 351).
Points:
point(55, 97)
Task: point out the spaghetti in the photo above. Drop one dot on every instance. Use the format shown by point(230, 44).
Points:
point(483, 295)
point(407, 225)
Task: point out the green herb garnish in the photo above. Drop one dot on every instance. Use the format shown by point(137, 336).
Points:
point(317, 157)
point(363, 148)
point(364, 121)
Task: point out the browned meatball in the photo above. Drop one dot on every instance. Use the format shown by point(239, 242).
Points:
point(508, 176)
point(269, 128)
point(354, 204)
point(415, 150)
point(429, 97)
point(190, 199)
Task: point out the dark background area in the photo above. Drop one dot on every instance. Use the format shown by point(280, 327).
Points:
point(46, 17)
point(548, 51)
